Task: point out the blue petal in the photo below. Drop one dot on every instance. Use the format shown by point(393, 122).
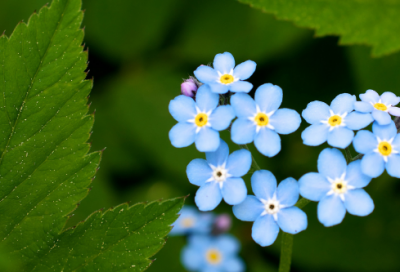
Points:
point(243, 105)
point(389, 98)
point(265, 230)
point(362, 106)
point(340, 137)
point(206, 100)
point(239, 163)
point(208, 196)
point(234, 191)
point(182, 108)
point(198, 171)
point(315, 134)
point(382, 117)
point(244, 70)
point(268, 97)
point(314, 186)
point(331, 210)
point(206, 74)
point(395, 111)
point(240, 87)
point(370, 96)
point(267, 142)
point(220, 156)
point(384, 132)
point(222, 117)
point(191, 259)
point(233, 264)
point(249, 210)
point(365, 142)
point(358, 202)
point(285, 121)
point(200, 242)
point(224, 62)
point(372, 164)
point(227, 244)
point(315, 112)
point(207, 140)
point(263, 183)
point(182, 134)
point(292, 220)
point(343, 103)
point(395, 143)
point(393, 165)
point(288, 192)
point(243, 131)
point(354, 175)
point(331, 163)
point(219, 88)
point(356, 120)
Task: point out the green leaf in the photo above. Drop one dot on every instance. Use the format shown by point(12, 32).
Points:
point(372, 22)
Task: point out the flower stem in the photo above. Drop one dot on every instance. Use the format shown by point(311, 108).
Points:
point(255, 164)
point(286, 252)
point(348, 155)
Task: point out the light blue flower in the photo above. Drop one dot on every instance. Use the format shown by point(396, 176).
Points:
point(381, 149)
point(381, 107)
point(335, 123)
point(271, 208)
point(337, 187)
point(219, 177)
point(260, 120)
point(192, 221)
point(224, 76)
point(199, 121)
point(206, 253)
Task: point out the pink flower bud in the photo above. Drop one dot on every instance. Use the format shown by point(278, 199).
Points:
point(188, 87)
point(222, 223)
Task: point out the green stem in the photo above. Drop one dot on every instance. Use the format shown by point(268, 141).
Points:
point(286, 252)
point(255, 164)
point(348, 155)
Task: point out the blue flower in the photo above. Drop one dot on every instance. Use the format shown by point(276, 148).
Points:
point(335, 123)
point(381, 149)
point(337, 187)
point(219, 177)
point(199, 121)
point(225, 77)
point(259, 120)
point(271, 208)
point(381, 107)
point(212, 254)
point(192, 221)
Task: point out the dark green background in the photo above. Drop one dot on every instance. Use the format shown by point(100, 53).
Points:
point(139, 52)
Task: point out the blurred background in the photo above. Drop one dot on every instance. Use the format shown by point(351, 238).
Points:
point(139, 53)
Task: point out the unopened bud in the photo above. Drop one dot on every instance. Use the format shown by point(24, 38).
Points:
point(189, 87)
point(222, 223)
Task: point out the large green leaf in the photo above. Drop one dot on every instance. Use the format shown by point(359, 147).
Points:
point(371, 22)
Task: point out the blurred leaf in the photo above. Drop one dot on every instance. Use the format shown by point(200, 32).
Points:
point(371, 22)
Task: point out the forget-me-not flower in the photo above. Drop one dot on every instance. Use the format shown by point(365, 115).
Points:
point(381, 149)
point(337, 187)
point(219, 177)
point(199, 121)
point(212, 254)
point(192, 221)
point(271, 208)
point(335, 123)
point(260, 120)
point(381, 107)
point(224, 76)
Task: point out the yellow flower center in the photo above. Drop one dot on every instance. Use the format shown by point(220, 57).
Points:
point(213, 256)
point(187, 222)
point(380, 106)
point(339, 187)
point(385, 148)
point(226, 79)
point(201, 119)
point(335, 120)
point(261, 119)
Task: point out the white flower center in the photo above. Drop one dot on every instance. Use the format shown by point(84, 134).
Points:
point(261, 119)
point(200, 119)
point(271, 206)
point(219, 174)
point(339, 186)
point(335, 120)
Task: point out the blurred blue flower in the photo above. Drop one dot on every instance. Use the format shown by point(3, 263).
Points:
point(192, 221)
point(381, 107)
point(335, 123)
point(199, 121)
point(225, 77)
point(271, 208)
point(337, 187)
point(212, 254)
point(381, 149)
point(219, 177)
point(260, 120)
